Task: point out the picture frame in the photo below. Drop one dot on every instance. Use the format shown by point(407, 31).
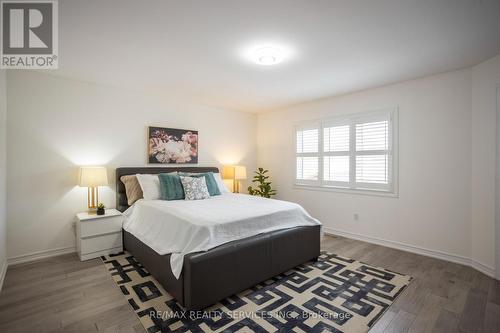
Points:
point(172, 146)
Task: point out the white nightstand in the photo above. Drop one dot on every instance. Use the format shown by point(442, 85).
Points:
point(98, 235)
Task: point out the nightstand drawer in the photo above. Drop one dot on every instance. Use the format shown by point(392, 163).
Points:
point(99, 243)
point(100, 226)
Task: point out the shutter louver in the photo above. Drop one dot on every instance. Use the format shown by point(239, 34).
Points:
point(336, 168)
point(336, 138)
point(307, 151)
point(307, 141)
point(372, 159)
point(336, 150)
point(307, 168)
point(372, 169)
point(372, 136)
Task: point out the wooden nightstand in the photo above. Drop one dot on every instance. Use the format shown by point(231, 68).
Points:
point(98, 235)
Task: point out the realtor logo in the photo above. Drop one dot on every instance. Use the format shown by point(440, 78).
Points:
point(29, 34)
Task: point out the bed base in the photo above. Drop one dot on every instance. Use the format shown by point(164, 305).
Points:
point(208, 277)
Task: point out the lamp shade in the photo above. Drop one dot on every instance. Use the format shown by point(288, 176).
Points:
point(93, 176)
point(228, 172)
point(240, 172)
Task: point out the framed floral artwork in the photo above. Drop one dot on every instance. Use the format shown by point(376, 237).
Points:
point(172, 146)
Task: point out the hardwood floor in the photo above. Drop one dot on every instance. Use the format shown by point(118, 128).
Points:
point(62, 294)
point(443, 297)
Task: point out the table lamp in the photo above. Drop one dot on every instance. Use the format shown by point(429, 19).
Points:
point(235, 173)
point(92, 178)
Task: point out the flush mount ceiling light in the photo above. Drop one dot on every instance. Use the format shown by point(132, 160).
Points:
point(267, 55)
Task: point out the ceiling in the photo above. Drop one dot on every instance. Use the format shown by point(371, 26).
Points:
point(193, 49)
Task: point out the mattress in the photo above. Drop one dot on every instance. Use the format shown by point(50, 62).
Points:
point(180, 227)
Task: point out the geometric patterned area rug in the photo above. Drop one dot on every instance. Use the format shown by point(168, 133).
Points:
point(334, 294)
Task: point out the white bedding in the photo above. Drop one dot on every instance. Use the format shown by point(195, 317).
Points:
point(182, 226)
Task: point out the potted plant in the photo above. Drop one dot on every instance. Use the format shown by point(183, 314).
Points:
point(100, 209)
point(263, 188)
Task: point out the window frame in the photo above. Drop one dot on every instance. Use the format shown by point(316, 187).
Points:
point(391, 189)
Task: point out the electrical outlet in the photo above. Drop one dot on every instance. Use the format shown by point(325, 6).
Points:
point(355, 217)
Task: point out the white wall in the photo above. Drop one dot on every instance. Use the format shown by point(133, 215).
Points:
point(433, 207)
point(485, 79)
point(497, 188)
point(56, 125)
point(3, 173)
point(446, 156)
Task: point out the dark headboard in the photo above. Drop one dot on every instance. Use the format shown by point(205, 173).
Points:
point(121, 196)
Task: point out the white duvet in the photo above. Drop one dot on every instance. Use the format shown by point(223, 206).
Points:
point(180, 227)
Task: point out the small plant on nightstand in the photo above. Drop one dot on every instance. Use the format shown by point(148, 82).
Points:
point(100, 209)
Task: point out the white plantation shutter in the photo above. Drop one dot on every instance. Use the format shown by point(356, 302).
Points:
point(372, 152)
point(307, 154)
point(372, 169)
point(336, 168)
point(336, 147)
point(354, 152)
point(307, 168)
point(336, 138)
point(372, 136)
point(307, 141)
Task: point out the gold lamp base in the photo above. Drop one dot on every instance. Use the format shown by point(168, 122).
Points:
point(92, 199)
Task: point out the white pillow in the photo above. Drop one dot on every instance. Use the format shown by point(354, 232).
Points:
point(220, 183)
point(150, 185)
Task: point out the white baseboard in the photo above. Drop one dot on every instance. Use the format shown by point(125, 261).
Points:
point(40, 255)
point(3, 271)
point(485, 269)
point(488, 270)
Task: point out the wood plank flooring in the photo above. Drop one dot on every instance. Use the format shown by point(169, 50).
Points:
point(62, 294)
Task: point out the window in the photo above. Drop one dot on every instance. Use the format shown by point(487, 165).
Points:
point(351, 153)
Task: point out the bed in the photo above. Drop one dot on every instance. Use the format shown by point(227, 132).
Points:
point(209, 276)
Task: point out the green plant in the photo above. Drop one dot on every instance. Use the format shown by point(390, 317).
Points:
point(263, 187)
point(101, 206)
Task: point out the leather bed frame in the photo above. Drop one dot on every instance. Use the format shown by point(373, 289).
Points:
point(207, 277)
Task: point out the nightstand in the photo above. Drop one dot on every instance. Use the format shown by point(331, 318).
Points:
point(98, 235)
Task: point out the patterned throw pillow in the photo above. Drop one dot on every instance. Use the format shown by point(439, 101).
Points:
point(195, 188)
point(212, 186)
point(132, 188)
